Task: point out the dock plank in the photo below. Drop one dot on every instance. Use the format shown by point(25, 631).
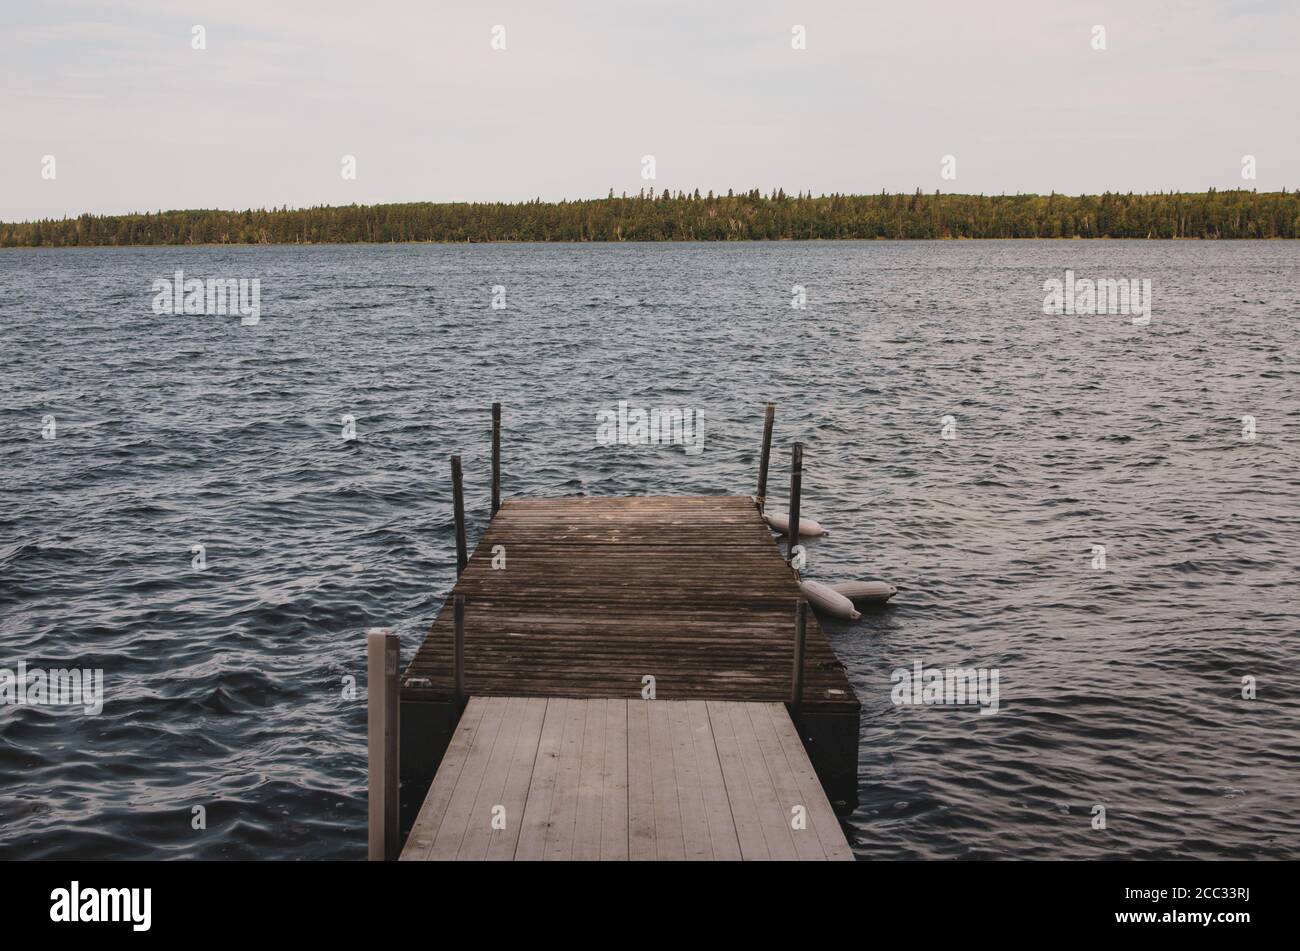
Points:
point(591, 786)
point(786, 787)
point(562, 827)
point(669, 844)
point(502, 842)
point(772, 818)
point(723, 841)
point(740, 798)
point(531, 845)
point(690, 788)
point(614, 824)
point(640, 790)
point(478, 828)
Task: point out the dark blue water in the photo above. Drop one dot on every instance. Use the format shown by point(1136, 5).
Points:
point(225, 686)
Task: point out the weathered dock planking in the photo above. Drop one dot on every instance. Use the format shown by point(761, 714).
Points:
point(599, 594)
point(528, 778)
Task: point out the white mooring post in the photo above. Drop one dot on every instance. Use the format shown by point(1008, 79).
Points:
point(382, 652)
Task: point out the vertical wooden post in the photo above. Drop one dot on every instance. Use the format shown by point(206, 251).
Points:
point(796, 482)
point(458, 652)
point(496, 457)
point(382, 705)
point(800, 628)
point(767, 451)
point(458, 504)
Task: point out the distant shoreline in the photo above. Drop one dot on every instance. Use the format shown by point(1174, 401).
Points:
point(682, 217)
point(558, 242)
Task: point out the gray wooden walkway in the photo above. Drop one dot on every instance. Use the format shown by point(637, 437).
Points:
point(530, 778)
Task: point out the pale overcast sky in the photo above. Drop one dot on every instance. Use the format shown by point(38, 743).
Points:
point(137, 119)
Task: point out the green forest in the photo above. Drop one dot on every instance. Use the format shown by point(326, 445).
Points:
point(690, 216)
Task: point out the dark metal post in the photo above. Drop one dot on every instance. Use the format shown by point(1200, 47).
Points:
point(800, 627)
point(767, 451)
point(458, 504)
point(458, 651)
point(796, 481)
point(496, 457)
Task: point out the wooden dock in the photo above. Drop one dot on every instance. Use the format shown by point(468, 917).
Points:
point(668, 598)
point(615, 678)
point(527, 778)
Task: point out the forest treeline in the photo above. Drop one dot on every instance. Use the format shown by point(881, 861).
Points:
point(690, 216)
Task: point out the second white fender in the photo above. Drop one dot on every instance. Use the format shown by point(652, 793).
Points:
point(873, 591)
point(829, 601)
point(807, 527)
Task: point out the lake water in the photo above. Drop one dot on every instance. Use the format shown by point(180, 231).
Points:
point(1120, 687)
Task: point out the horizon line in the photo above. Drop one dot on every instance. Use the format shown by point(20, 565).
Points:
point(673, 194)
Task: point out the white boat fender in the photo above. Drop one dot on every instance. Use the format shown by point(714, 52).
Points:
point(829, 601)
point(873, 591)
point(807, 527)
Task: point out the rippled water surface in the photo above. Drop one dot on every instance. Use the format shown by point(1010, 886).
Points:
point(1119, 687)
